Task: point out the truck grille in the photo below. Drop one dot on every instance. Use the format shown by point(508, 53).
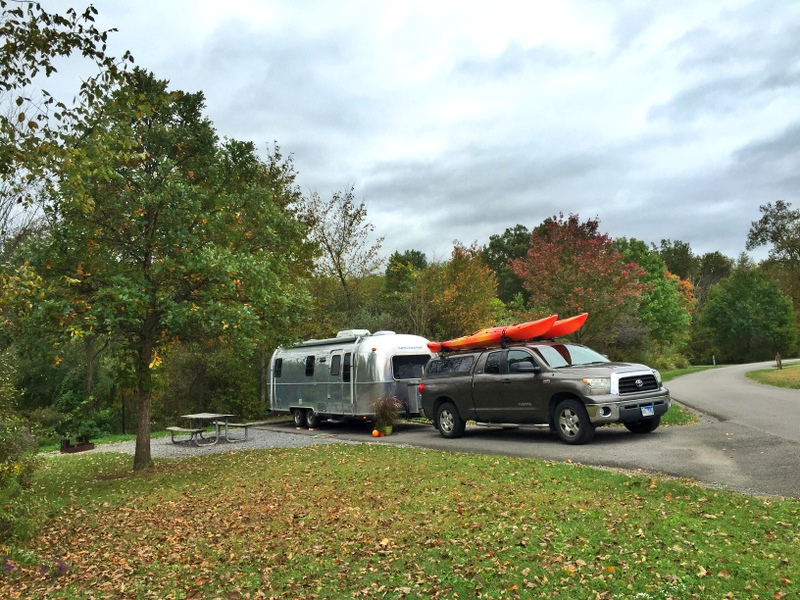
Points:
point(637, 383)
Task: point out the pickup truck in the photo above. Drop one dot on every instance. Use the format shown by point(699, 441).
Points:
point(567, 386)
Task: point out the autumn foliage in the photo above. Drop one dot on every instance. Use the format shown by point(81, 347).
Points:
point(572, 268)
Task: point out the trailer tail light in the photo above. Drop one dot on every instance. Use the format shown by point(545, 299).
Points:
point(421, 387)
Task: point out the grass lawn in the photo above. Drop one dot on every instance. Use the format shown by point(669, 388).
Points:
point(379, 521)
point(788, 376)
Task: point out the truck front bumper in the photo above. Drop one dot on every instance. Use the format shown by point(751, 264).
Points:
point(631, 408)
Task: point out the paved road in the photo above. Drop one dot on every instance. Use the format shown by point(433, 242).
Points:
point(749, 440)
point(728, 395)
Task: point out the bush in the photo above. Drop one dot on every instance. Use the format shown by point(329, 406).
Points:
point(18, 461)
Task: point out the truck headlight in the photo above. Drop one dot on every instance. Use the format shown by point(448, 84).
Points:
point(598, 385)
point(658, 377)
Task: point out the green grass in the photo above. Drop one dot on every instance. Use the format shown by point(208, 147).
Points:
point(667, 375)
point(379, 521)
point(788, 376)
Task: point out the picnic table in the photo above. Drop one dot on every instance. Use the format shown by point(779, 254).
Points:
point(199, 421)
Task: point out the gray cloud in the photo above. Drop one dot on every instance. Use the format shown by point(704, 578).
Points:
point(670, 121)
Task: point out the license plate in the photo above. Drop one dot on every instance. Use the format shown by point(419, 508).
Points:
point(647, 411)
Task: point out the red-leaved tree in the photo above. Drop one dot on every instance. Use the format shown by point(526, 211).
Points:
point(572, 268)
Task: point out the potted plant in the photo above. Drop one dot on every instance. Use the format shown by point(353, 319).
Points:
point(387, 411)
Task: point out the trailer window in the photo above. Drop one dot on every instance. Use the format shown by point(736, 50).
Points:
point(409, 367)
point(278, 367)
point(346, 367)
point(336, 365)
point(309, 366)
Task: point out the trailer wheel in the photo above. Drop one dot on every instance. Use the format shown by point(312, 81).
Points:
point(312, 418)
point(299, 415)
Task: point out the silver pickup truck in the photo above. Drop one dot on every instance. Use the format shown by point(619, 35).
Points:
point(569, 387)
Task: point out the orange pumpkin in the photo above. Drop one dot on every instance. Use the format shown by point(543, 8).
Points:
point(375, 433)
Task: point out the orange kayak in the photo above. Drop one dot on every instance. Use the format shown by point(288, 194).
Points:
point(566, 326)
point(494, 336)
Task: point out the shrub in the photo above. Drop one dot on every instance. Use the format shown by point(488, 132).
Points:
point(18, 461)
point(387, 411)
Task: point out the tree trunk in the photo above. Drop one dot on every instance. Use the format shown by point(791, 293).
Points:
point(91, 365)
point(142, 458)
point(264, 381)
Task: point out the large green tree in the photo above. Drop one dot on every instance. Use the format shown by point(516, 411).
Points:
point(162, 231)
point(512, 244)
point(779, 228)
point(678, 257)
point(747, 318)
point(404, 291)
point(663, 309)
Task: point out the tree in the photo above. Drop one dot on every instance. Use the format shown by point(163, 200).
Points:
point(570, 268)
point(462, 294)
point(32, 134)
point(663, 308)
point(747, 318)
point(713, 268)
point(340, 229)
point(678, 257)
point(175, 234)
point(780, 227)
point(501, 250)
point(405, 291)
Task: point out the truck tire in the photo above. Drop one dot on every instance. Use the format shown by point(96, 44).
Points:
point(449, 422)
point(643, 426)
point(299, 415)
point(572, 422)
point(312, 419)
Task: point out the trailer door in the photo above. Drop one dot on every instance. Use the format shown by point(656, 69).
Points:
point(348, 381)
point(338, 401)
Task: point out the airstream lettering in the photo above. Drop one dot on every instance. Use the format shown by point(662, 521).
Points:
point(340, 377)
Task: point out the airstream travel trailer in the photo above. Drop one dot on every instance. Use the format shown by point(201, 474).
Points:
point(340, 377)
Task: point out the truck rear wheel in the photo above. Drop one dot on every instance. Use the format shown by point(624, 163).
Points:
point(299, 415)
point(643, 426)
point(449, 422)
point(572, 422)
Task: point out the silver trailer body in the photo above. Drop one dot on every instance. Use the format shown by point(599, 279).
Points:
point(340, 377)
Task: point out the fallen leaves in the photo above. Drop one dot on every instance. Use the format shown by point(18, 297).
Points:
point(304, 523)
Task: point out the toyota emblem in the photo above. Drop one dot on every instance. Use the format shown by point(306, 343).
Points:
point(639, 383)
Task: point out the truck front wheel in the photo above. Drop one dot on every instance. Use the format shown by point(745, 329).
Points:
point(449, 422)
point(572, 422)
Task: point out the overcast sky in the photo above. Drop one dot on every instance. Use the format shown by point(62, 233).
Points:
point(456, 120)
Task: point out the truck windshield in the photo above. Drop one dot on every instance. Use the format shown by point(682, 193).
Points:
point(568, 355)
point(409, 367)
